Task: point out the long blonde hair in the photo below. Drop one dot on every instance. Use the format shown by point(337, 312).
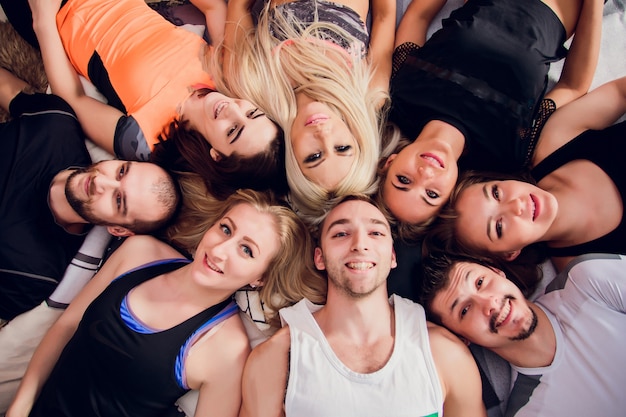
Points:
point(265, 70)
point(290, 276)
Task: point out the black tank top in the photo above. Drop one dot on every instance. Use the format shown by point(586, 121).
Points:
point(108, 369)
point(605, 148)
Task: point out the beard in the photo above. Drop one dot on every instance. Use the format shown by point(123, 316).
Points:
point(81, 207)
point(524, 333)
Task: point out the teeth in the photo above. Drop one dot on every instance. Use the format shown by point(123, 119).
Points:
point(219, 108)
point(361, 266)
point(213, 267)
point(434, 160)
point(534, 207)
point(504, 313)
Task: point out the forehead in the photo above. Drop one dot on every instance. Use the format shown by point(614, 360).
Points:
point(354, 212)
point(140, 190)
point(457, 286)
point(255, 225)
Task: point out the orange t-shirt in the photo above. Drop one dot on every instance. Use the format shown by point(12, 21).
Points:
point(150, 62)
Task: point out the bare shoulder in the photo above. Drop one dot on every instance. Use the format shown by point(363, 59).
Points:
point(138, 250)
point(458, 373)
point(274, 348)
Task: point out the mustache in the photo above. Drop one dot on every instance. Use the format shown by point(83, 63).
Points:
point(495, 314)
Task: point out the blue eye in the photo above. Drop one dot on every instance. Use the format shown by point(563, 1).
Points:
point(246, 250)
point(225, 229)
point(432, 194)
point(403, 180)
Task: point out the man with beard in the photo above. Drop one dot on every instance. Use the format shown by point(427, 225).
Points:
point(362, 353)
point(47, 205)
point(567, 346)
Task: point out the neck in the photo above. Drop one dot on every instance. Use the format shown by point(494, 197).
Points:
point(444, 133)
point(63, 213)
point(536, 351)
point(362, 320)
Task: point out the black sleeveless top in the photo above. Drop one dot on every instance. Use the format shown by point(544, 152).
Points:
point(605, 148)
point(108, 369)
point(485, 73)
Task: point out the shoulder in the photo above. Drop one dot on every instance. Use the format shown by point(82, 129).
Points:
point(444, 343)
point(138, 250)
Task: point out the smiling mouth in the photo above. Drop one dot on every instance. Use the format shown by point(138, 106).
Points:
point(211, 265)
point(219, 107)
point(360, 266)
point(535, 212)
point(316, 119)
point(88, 186)
point(433, 160)
point(505, 312)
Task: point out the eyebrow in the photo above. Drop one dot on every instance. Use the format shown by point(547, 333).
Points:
point(456, 301)
point(347, 221)
point(490, 218)
point(233, 225)
point(124, 205)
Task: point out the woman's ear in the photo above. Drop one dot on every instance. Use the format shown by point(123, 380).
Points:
point(215, 155)
point(509, 256)
point(389, 161)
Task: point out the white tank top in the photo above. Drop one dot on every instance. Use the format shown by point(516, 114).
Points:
point(321, 385)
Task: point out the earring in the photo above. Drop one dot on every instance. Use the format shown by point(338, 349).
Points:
point(253, 286)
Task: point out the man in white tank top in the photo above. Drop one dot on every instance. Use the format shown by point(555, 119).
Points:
point(361, 354)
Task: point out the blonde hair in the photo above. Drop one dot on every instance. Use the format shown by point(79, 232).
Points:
point(265, 69)
point(291, 274)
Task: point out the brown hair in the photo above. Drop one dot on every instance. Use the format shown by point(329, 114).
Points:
point(443, 236)
point(186, 150)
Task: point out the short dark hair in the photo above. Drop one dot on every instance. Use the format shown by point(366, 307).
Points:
point(168, 194)
point(185, 150)
point(436, 268)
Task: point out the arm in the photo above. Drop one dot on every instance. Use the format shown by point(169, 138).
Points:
point(238, 26)
point(215, 15)
point(10, 86)
point(582, 58)
point(596, 110)
point(97, 119)
point(382, 41)
point(135, 251)
point(265, 377)
point(214, 367)
point(416, 20)
point(458, 373)
point(53, 343)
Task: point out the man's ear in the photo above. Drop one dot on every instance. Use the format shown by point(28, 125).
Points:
point(389, 161)
point(119, 231)
point(318, 259)
point(215, 155)
point(509, 256)
point(394, 262)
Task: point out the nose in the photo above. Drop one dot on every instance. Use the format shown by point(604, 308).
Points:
point(490, 304)
point(516, 206)
point(219, 253)
point(426, 172)
point(102, 183)
point(359, 241)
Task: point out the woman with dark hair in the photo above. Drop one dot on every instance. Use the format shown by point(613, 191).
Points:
point(577, 204)
point(470, 95)
point(156, 74)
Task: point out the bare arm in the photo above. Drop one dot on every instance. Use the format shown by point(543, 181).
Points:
point(10, 86)
point(216, 361)
point(265, 377)
point(582, 58)
point(135, 251)
point(416, 19)
point(215, 15)
point(458, 373)
point(97, 119)
point(382, 41)
point(597, 109)
point(239, 25)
